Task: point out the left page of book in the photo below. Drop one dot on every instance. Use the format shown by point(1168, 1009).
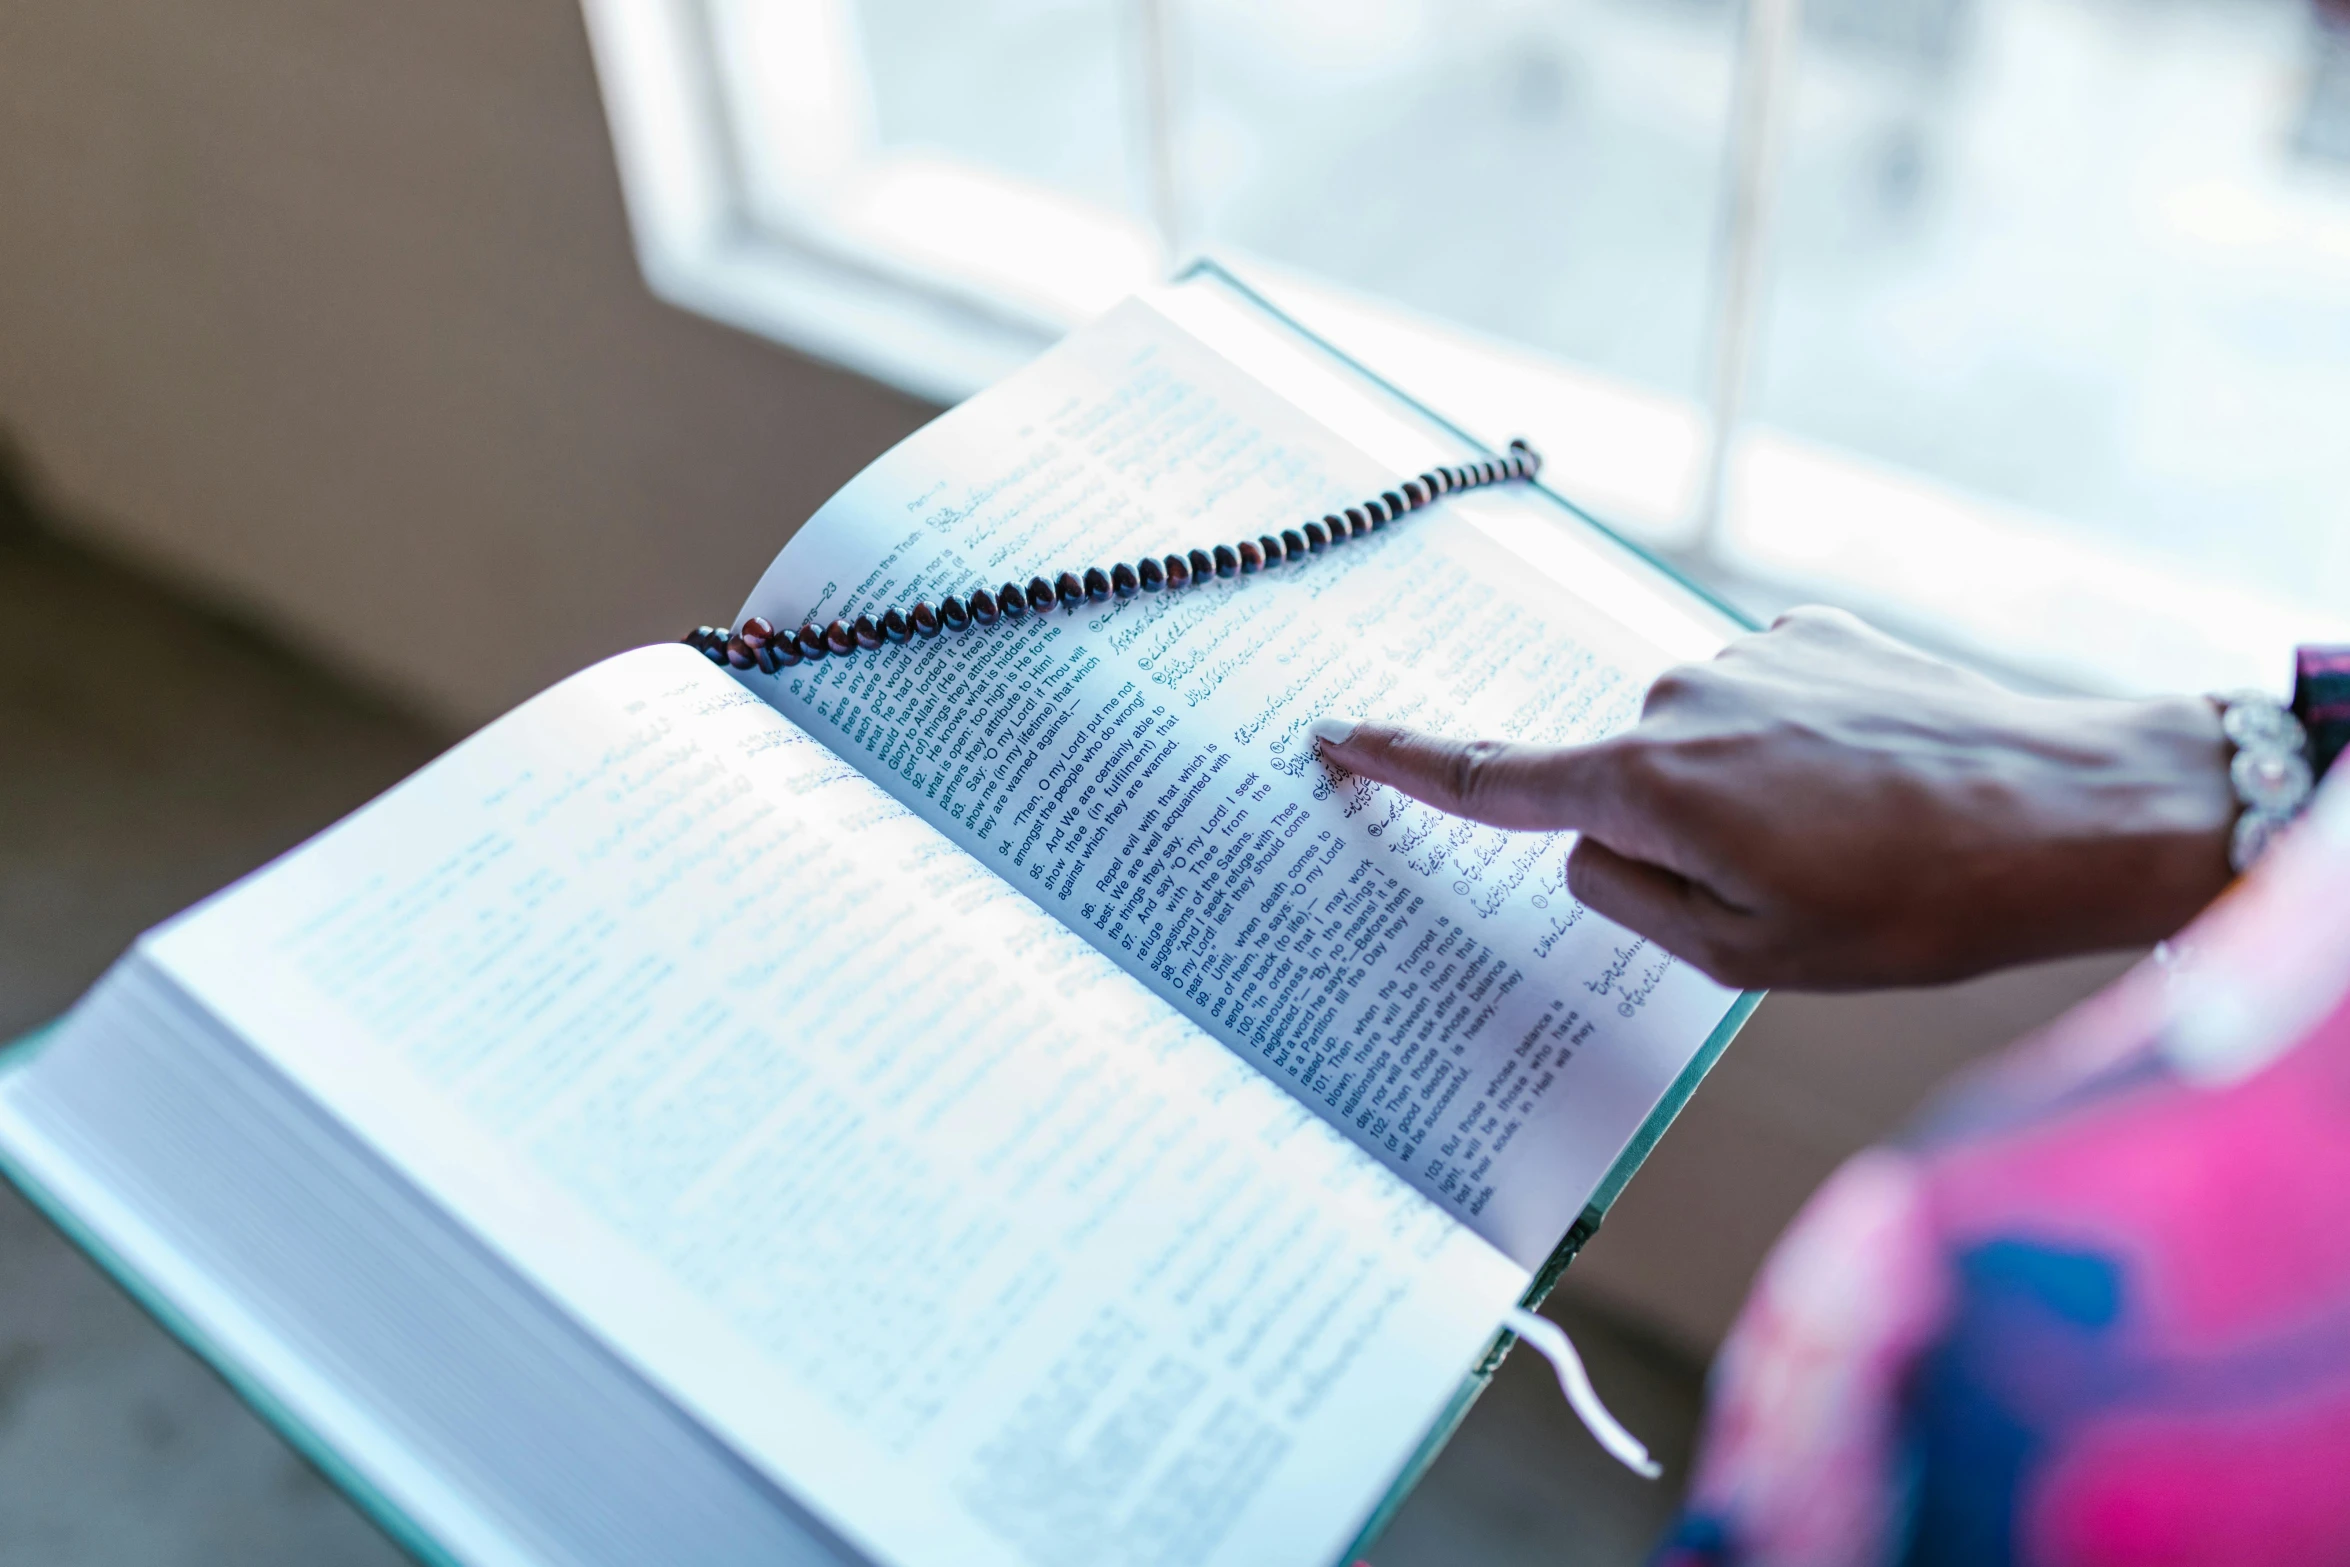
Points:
point(983, 1252)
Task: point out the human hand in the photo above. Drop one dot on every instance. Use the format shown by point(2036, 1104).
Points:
point(1823, 807)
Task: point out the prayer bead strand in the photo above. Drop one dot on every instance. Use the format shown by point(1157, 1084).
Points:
point(759, 644)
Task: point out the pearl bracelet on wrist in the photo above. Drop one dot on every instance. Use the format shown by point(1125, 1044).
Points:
point(2269, 772)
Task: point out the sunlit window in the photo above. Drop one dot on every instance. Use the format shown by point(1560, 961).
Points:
point(2087, 259)
point(2021, 322)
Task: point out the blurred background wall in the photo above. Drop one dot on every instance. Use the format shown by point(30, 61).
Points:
point(330, 312)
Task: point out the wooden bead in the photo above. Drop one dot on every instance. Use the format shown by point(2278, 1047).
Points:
point(1097, 584)
point(1336, 527)
point(925, 620)
point(1532, 458)
point(785, 652)
point(1376, 510)
point(1203, 565)
point(1071, 590)
point(1227, 563)
point(1415, 494)
point(1293, 544)
point(739, 654)
point(1149, 574)
point(758, 631)
point(1356, 523)
point(953, 613)
point(1252, 556)
point(1123, 581)
point(983, 607)
point(895, 626)
point(868, 631)
point(839, 639)
point(1487, 473)
point(811, 640)
point(1178, 572)
point(1317, 537)
point(769, 661)
point(1395, 505)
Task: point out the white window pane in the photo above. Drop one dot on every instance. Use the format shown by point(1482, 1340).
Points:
point(1551, 173)
point(2090, 259)
point(1033, 89)
point(975, 149)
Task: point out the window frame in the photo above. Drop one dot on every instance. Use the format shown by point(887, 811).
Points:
point(840, 285)
point(1766, 518)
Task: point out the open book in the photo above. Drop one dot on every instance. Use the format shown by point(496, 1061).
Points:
point(995, 1100)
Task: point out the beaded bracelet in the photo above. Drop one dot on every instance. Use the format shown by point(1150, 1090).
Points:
point(2269, 772)
point(757, 644)
point(2284, 751)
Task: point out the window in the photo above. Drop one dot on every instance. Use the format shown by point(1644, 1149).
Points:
point(2023, 323)
point(2084, 266)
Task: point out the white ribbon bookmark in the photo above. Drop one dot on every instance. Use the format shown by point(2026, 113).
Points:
point(1551, 1342)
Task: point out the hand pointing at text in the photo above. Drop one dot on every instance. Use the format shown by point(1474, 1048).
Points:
point(1824, 807)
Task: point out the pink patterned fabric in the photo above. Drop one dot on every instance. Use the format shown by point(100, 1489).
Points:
point(2097, 1310)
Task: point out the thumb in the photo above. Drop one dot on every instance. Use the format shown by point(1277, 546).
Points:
point(1500, 782)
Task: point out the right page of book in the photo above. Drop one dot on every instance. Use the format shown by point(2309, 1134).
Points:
point(1143, 769)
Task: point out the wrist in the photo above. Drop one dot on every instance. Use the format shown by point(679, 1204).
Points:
point(2177, 812)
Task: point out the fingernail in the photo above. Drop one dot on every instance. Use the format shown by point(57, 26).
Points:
point(1333, 731)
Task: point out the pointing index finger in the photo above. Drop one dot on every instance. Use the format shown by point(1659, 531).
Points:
point(1499, 782)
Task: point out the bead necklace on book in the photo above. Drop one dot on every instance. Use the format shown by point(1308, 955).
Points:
point(757, 644)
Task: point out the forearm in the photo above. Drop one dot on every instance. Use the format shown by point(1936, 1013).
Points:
point(2169, 807)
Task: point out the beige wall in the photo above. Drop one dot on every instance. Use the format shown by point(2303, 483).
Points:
point(330, 307)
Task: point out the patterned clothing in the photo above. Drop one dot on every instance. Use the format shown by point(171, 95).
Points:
point(2321, 700)
point(2097, 1310)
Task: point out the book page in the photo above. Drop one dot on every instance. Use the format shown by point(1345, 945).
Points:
point(1143, 769)
point(981, 1250)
